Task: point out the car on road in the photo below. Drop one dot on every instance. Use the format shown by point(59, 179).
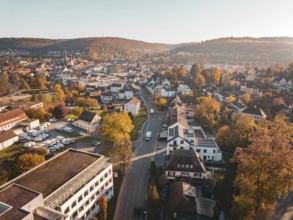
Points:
point(148, 135)
point(81, 133)
point(96, 143)
point(52, 120)
point(152, 111)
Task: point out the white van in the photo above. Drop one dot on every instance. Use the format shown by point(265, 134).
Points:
point(148, 135)
point(152, 111)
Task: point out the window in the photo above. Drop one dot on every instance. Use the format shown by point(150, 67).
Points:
point(85, 193)
point(214, 151)
point(187, 165)
point(182, 165)
point(79, 198)
point(198, 150)
point(91, 188)
point(181, 142)
point(191, 165)
point(73, 204)
point(204, 150)
point(97, 183)
point(178, 165)
point(67, 210)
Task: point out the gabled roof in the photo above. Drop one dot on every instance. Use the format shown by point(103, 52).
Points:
point(178, 201)
point(177, 114)
point(238, 105)
point(87, 116)
point(6, 135)
point(186, 157)
point(253, 111)
point(135, 101)
point(15, 114)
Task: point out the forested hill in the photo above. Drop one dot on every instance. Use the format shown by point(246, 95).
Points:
point(78, 44)
point(238, 50)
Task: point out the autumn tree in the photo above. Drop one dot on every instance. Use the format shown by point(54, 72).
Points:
point(246, 98)
point(231, 99)
point(40, 113)
point(103, 208)
point(4, 86)
point(199, 81)
point(115, 126)
point(207, 110)
point(265, 169)
point(41, 81)
point(60, 111)
point(87, 102)
point(161, 103)
point(217, 75)
point(3, 175)
point(28, 161)
point(59, 92)
point(77, 110)
point(195, 69)
point(122, 151)
point(238, 133)
point(153, 199)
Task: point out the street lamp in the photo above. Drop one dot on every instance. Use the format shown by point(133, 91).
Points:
point(146, 215)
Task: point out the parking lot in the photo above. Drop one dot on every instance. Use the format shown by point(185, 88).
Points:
point(60, 135)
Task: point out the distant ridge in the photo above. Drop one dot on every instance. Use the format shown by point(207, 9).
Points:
point(77, 44)
point(264, 50)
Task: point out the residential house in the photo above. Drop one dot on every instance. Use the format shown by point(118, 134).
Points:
point(106, 98)
point(254, 112)
point(7, 138)
point(168, 92)
point(35, 105)
point(133, 106)
point(88, 121)
point(116, 87)
point(11, 119)
point(185, 203)
point(238, 105)
point(185, 164)
point(66, 187)
point(183, 89)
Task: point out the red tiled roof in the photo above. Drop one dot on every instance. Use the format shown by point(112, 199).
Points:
point(12, 116)
point(135, 101)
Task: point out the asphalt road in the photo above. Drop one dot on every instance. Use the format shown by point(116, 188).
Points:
point(134, 186)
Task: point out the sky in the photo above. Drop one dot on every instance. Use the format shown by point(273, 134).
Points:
point(160, 21)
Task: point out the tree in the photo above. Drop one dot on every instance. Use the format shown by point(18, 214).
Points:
point(41, 81)
point(87, 102)
point(60, 111)
point(3, 175)
point(153, 199)
point(161, 103)
point(103, 208)
point(163, 179)
point(28, 161)
point(230, 99)
point(265, 169)
point(40, 113)
point(115, 126)
point(195, 69)
point(4, 86)
point(238, 134)
point(199, 81)
point(217, 75)
point(59, 92)
point(246, 98)
point(122, 150)
point(77, 110)
point(207, 110)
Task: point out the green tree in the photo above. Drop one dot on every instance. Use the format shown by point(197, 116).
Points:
point(103, 208)
point(265, 169)
point(115, 126)
point(28, 161)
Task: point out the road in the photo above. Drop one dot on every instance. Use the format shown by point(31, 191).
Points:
point(134, 186)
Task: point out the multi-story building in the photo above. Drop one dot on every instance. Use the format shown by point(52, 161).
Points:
point(11, 119)
point(66, 187)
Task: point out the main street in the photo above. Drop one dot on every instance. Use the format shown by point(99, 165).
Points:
point(134, 186)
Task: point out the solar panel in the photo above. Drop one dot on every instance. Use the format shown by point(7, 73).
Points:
point(4, 207)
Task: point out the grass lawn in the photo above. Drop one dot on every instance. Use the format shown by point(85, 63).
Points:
point(102, 113)
point(10, 151)
point(138, 121)
point(71, 116)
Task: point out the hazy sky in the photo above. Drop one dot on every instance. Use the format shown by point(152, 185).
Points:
point(165, 21)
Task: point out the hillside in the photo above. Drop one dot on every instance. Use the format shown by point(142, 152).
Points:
point(81, 44)
point(237, 50)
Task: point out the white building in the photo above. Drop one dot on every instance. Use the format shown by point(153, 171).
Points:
point(256, 113)
point(183, 89)
point(7, 138)
point(88, 121)
point(133, 106)
point(11, 119)
point(66, 187)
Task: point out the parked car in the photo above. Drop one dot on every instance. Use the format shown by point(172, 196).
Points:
point(52, 120)
point(96, 143)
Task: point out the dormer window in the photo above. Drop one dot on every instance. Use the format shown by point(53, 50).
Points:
point(182, 165)
point(178, 165)
point(191, 166)
point(187, 166)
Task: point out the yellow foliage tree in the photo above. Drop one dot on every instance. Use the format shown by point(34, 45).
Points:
point(116, 126)
point(28, 161)
point(207, 110)
point(59, 92)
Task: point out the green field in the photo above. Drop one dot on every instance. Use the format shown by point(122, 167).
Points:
point(10, 151)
